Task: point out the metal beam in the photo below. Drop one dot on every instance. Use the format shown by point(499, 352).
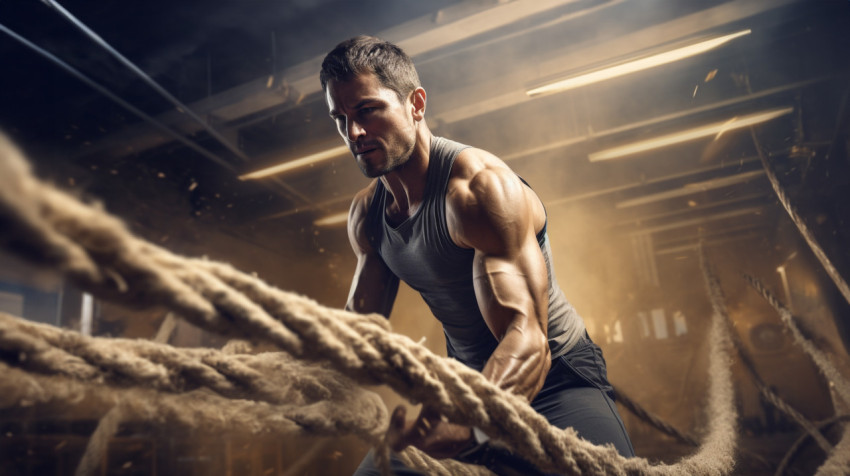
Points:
point(692, 188)
point(449, 25)
point(509, 89)
point(698, 221)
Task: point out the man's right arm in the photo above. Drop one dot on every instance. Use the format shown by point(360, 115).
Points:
point(374, 286)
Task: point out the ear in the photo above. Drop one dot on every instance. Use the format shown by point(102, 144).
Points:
point(418, 99)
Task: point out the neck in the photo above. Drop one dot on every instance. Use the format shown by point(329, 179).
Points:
point(407, 183)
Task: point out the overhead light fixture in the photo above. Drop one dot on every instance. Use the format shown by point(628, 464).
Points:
point(298, 163)
point(692, 188)
point(634, 66)
point(715, 128)
point(332, 220)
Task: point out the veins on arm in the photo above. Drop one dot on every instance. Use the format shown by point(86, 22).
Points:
point(494, 216)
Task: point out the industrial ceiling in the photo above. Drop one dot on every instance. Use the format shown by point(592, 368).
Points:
point(172, 105)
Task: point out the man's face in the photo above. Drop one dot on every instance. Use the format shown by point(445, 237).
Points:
point(377, 127)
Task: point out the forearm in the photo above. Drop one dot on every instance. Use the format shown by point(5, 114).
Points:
point(521, 361)
point(373, 288)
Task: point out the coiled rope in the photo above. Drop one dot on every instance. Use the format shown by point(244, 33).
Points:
point(94, 250)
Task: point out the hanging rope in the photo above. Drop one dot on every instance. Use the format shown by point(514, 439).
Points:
point(801, 225)
point(794, 448)
point(822, 362)
point(654, 420)
point(838, 460)
point(198, 410)
point(98, 443)
point(771, 396)
point(94, 250)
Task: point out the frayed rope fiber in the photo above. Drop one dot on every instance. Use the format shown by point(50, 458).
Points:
point(94, 250)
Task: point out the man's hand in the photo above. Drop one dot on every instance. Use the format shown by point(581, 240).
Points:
point(437, 438)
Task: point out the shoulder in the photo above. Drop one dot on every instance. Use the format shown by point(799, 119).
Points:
point(357, 217)
point(486, 202)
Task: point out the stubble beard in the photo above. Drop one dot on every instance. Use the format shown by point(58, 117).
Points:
point(392, 162)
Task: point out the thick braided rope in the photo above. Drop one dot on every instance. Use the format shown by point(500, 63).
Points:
point(838, 461)
point(841, 385)
point(656, 422)
point(52, 229)
point(721, 415)
point(801, 225)
point(769, 394)
point(98, 443)
point(198, 410)
point(416, 459)
point(349, 411)
point(270, 377)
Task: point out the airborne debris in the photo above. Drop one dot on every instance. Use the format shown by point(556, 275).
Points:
point(711, 74)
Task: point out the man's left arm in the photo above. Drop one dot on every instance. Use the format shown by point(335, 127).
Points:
point(493, 213)
point(510, 278)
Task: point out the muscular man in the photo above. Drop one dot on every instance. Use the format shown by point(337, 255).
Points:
point(457, 225)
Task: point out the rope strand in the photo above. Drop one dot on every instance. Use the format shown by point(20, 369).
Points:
point(96, 251)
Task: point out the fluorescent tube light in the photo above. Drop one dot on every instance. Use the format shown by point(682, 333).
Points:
point(688, 135)
point(298, 163)
point(332, 220)
point(692, 188)
point(635, 65)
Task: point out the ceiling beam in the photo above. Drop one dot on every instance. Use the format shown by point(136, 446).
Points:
point(507, 90)
point(449, 25)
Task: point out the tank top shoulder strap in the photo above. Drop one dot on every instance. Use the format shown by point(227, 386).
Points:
point(375, 214)
point(443, 155)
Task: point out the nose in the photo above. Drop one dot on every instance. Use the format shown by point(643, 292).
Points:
point(353, 130)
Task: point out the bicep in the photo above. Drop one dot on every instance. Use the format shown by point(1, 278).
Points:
point(511, 290)
point(509, 272)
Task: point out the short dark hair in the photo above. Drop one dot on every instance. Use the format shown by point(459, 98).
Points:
point(367, 54)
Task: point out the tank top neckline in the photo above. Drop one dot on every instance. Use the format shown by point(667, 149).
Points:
point(427, 194)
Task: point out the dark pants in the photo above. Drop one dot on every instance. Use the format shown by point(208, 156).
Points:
point(576, 393)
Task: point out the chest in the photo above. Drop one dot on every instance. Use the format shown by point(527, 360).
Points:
point(420, 252)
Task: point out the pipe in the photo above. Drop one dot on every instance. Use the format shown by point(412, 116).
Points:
point(147, 79)
point(94, 85)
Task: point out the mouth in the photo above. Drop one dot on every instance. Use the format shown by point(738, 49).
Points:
point(364, 149)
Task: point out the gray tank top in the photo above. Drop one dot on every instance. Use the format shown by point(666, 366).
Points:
point(421, 253)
